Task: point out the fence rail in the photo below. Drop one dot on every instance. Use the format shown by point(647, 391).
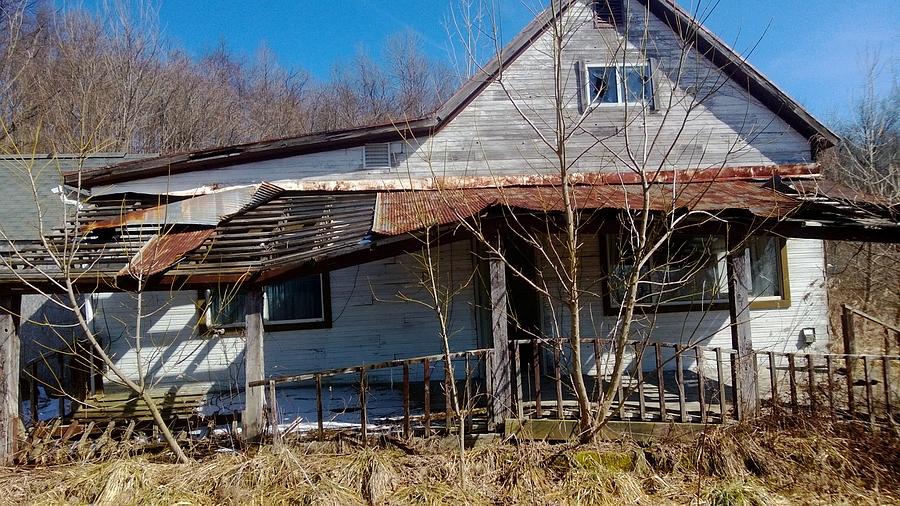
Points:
point(471, 390)
point(692, 383)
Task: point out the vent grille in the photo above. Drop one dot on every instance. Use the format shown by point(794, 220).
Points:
point(377, 156)
point(609, 12)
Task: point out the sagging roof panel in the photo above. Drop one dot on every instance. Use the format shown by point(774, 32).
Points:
point(403, 212)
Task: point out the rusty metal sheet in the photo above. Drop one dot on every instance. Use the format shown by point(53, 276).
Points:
point(406, 211)
point(209, 209)
point(165, 250)
point(828, 189)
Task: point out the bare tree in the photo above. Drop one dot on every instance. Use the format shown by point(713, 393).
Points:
point(654, 126)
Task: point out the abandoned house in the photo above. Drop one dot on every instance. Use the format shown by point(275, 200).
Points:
point(323, 233)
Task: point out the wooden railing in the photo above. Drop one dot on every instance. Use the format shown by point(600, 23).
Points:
point(472, 394)
point(694, 383)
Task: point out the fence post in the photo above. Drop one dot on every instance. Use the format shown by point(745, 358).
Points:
point(10, 308)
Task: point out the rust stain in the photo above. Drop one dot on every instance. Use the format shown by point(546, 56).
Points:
point(406, 211)
point(165, 250)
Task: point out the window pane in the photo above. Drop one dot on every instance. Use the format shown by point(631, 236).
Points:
point(603, 87)
point(690, 270)
point(637, 84)
point(765, 268)
point(295, 299)
point(227, 307)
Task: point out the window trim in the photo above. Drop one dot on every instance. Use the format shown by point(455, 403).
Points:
point(591, 103)
point(758, 303)
point(237, 328)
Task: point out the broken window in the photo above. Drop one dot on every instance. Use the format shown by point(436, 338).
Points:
point(622, 84)
point(691, 271)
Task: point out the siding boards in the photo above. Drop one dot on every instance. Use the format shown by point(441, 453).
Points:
point(370, 324)
point(489, 137)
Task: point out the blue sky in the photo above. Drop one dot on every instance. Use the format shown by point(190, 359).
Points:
point(811, 48)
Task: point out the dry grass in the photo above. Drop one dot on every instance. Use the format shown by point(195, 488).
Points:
point(761, 463)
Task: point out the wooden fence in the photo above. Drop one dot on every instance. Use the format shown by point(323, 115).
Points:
point(695, 383)
point(474, 399)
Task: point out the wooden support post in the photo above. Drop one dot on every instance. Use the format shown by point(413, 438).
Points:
point(869, 407)
point(320, 422)
point(273, 417)
point(886, 373)
point(720, 377)
point(536, 365)
point(701, 387)
point(642, 408)
point(598, 379)
point(773, 379)
point(679, 378)
point(467, 393)
point(739, 290)
point(426, 375)
point(847, 330)
point(792, 370)
point(254, 366)
point(363, 413)
point(407, 432)
point(519, 375)
point(557, 377)
point(849, 349)
point(10, 308)
point(829, 366)
point(660, 383)
point(500, 387)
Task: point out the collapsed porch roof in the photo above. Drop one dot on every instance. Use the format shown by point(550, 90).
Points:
point(265, 230)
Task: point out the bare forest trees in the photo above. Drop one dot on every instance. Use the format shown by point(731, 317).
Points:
point(867, 275)
point(109, 81)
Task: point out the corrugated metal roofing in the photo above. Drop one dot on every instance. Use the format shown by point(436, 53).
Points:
point(165, 250)
point(406, 211)
point(208, 209)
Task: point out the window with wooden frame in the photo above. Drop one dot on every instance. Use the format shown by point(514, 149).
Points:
point(300, 303)
point(689, 273)
point(619, 84)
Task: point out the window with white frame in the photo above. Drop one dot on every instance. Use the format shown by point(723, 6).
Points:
point(691, 271)
point(619, 84)
point(299, 302)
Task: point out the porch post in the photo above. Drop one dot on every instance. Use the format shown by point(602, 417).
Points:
point(499, 374)
point(253, 420)
point(739, 290)
point(10, 307)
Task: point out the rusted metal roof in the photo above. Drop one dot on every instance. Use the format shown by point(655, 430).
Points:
point(407, 211)
point(208, 209)
point(165, 250)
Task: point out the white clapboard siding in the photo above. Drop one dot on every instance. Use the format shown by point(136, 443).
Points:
point(489, 137)
point(370, 324)
point(772, 329)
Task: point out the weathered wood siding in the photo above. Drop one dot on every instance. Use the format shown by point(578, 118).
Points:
point(772, 329)
point(490, 136)
point(370, 324)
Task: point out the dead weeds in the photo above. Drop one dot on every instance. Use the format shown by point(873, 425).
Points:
point(767, 462)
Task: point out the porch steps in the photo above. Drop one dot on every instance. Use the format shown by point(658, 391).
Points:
point(127, 406)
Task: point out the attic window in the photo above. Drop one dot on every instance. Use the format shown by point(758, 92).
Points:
point(610, 12)
point(377, 156)
point(623, 84)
